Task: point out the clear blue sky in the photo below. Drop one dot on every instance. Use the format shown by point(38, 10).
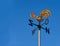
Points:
point(14, 28)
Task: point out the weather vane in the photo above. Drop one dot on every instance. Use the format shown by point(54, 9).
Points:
point(42, 18)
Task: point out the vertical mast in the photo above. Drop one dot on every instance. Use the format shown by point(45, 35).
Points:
point(39, 38)
point(39, 34)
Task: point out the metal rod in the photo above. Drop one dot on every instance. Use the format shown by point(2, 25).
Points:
point(39, 38)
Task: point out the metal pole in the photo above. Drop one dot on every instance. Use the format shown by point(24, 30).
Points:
point(39, 38)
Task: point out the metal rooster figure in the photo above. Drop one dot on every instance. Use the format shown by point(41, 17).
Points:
point(42, 20)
